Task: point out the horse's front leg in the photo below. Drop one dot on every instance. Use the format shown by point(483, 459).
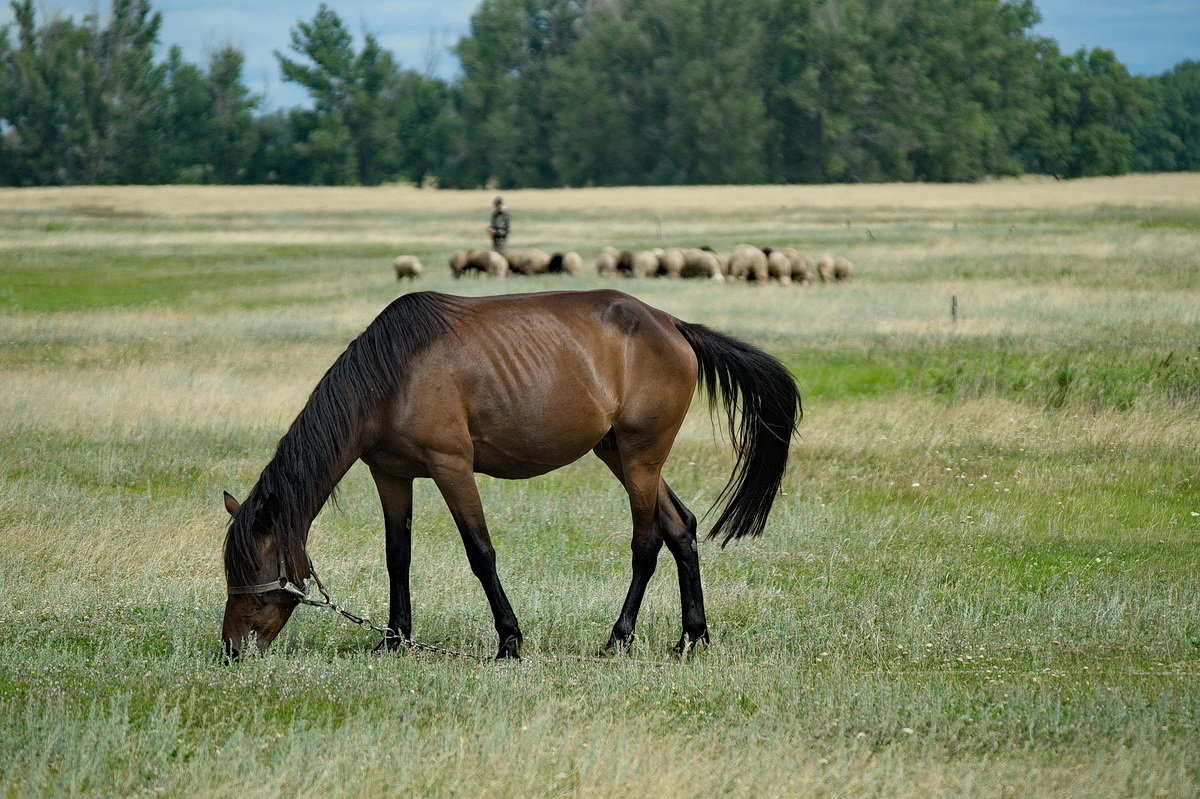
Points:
point(395, 494)
point(458, 488)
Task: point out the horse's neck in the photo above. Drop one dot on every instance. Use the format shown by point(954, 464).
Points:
point(311, 501)
point(308, 489)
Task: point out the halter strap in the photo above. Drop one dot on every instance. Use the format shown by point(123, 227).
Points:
point(259, 588)
point(281, 583)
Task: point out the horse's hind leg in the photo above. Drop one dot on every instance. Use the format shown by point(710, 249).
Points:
point(678, 525)
point(673, 523)
point(395, 495)
point(462, 497)
point(645, 545)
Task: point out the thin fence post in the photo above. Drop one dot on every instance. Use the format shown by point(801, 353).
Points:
point(954, 308)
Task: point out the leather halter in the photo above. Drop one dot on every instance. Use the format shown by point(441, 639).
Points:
point(281, 583)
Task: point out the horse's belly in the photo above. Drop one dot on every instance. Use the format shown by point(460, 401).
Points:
point(536, 451)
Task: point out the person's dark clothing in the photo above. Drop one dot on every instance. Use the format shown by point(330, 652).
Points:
point(501, 222)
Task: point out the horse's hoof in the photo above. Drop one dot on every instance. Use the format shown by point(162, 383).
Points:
point(390, 643)
point(687, 645)
point(510, 648)
point(616, 646)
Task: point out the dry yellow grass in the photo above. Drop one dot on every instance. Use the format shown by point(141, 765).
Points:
point(258, 215)
point(1176, 190)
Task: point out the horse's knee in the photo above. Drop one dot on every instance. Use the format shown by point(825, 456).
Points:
point(684, 518)
point(680, 534)
point(644, 551)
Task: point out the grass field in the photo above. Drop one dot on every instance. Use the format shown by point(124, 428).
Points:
point(981, 579)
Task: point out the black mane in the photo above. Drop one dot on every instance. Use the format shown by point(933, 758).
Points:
point(322, 440)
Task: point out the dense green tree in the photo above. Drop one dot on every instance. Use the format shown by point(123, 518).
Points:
point(231, 135)
point(589, 92)
point(364, 104)
point(710, 82)
point(1090, 107)
point(84, 103)
point(919, 89)
point(186, 119)
point(425, 125)
point(41, 98)
point(500, 99)
point(607, 115)
point(124, 99)
point(273, 159)
point(324, 142)
point(820, 85)
point(1169, 136)
point(678, 91)
point(88, 103)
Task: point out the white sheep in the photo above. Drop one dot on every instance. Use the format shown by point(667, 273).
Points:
point(644, 264)
point(606, 262)
point(568, 263)
point(670, 262)
point(497, 266)
point(478, 260)
point(702, 264)
point(803, 265)
point(843, 270)
point(779, 266)
point(527, 262)
point(407, 266)
point(747, 262)
point(825, 268)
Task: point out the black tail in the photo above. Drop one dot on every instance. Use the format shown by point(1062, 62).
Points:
point(746, 378)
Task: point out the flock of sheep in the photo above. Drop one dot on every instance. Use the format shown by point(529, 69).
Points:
point(745, 262)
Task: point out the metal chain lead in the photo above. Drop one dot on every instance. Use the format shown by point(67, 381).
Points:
point(305, 598)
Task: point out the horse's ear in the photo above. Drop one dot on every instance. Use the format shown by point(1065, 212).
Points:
point(231, 504)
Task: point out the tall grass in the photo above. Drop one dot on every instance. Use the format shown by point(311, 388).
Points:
point(980, 579)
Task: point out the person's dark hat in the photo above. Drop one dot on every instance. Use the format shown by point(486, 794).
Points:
point(497, 201)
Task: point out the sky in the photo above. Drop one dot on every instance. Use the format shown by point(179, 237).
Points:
point(1148, 36)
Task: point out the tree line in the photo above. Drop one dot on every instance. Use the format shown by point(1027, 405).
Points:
point(597, 92)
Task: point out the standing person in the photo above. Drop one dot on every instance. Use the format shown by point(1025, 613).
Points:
point(501, 222)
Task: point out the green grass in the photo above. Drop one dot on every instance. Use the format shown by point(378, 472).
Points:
point(1081, 375)
point(980, 579)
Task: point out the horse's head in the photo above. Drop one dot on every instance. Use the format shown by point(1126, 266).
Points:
point(253, 609)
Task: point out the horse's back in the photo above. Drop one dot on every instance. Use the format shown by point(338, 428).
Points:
point(534, 381)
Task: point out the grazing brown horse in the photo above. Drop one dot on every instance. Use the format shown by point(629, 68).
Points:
point(511, 386)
